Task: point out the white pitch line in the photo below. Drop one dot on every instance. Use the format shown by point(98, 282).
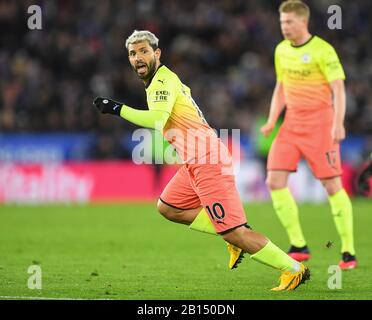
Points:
point(45, 298)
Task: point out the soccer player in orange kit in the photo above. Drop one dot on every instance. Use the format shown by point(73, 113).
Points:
point(310, 85)
point(202, 194)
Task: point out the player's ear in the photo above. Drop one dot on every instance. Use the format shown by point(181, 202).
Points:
point(305, 20)
point(158, 53)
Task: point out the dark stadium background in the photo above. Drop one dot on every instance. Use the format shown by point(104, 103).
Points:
point(222, 49)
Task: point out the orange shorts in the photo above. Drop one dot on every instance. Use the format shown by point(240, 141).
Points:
point(196, 185)
point(313, 143)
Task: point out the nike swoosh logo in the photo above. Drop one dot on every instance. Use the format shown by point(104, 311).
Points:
point(162, 81)
point(116, 106)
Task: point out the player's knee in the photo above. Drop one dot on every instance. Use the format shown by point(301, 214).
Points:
point(274, 183)
point(165, 210)
point(230, 237)
point(162, 208)
point(332, 186)
point(235, 235)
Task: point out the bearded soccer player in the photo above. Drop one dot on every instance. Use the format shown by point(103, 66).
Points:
point(310, 85)
point(201, 194)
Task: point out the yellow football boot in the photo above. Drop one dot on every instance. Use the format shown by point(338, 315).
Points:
point(236, 255)
point(291, 280)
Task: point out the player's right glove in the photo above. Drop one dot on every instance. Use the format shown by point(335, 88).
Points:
point(105, 105)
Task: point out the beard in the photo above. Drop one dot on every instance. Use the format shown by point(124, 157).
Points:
point(151, 68)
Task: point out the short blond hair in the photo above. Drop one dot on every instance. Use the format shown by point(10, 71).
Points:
point(298, 7)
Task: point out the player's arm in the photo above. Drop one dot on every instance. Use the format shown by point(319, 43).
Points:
point(276, 108)
point(161, 99)
point(277, 101)
point(332, 69)
point(155, 119)
point(339, 104)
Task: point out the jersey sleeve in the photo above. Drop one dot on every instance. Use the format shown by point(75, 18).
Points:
point(278, 68)
point(162, 93)
point(330, 64)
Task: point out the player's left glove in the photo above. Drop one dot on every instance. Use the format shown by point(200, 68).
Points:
point(105, 105)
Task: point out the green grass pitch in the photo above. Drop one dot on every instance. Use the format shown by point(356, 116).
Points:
point(130, 252)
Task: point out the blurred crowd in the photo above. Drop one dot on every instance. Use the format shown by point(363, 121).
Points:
point(222, 49)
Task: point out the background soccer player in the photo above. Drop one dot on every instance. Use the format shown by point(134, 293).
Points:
point(201, 185)
point(310, 84)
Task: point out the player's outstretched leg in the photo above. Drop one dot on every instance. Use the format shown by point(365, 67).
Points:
point(293, 273)
point(198, 220)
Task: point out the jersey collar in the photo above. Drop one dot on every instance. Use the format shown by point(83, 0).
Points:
point(149, 83)
point(304, 44)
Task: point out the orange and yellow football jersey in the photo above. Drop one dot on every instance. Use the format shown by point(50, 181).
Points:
point(186, 128)
point(306, 72)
